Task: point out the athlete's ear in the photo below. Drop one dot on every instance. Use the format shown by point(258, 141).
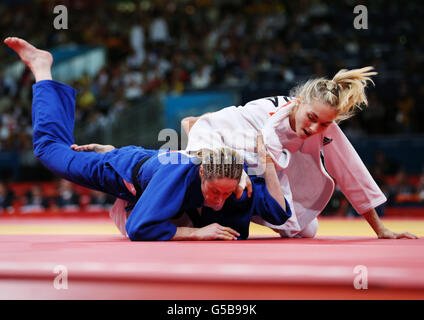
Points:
point(298, 103)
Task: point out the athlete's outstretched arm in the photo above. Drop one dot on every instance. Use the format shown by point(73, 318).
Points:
point(213, 231)
point(357, 183)
point(382, 232)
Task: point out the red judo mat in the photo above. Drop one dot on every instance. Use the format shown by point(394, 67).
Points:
point(111, 267)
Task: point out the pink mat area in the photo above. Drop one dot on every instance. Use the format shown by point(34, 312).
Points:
point(235, 267)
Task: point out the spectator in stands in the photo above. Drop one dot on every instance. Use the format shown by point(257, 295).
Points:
point(67, 198)
point(133, 90)
point(420, 188)
point(100, 201)
point(201, 77)
point(137, 39)
point(34, 200)
point(402, 191)
point(7, 196)
point(158, 28)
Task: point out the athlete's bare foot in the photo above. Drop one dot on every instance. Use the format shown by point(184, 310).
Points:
point(39, 61)
point(99, 148)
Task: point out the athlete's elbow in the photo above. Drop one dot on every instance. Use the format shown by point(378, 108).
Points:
point(130, 234)
point(41, 144)
point(134, 234)
point(144, 233)
point(39, 152)
point(137, 236)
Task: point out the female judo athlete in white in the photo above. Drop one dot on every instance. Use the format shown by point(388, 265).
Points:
point(310, 150)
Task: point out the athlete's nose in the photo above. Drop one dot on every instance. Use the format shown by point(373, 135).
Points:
point(314, 128)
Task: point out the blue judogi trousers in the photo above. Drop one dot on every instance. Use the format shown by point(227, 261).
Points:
point(167, 188)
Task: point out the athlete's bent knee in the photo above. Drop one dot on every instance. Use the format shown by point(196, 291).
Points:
point(310, 230)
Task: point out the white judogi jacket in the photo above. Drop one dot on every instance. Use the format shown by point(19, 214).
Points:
point(306, 183)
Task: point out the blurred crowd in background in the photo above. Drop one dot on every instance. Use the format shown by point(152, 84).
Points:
point(156, 47)
point(55, 197)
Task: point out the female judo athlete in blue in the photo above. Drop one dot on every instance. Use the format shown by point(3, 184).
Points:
point(164, 190)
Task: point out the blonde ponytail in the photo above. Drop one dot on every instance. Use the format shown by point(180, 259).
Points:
point(345, 92)
point(352, 84)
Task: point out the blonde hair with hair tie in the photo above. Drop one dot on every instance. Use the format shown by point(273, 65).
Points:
point(345, 92)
